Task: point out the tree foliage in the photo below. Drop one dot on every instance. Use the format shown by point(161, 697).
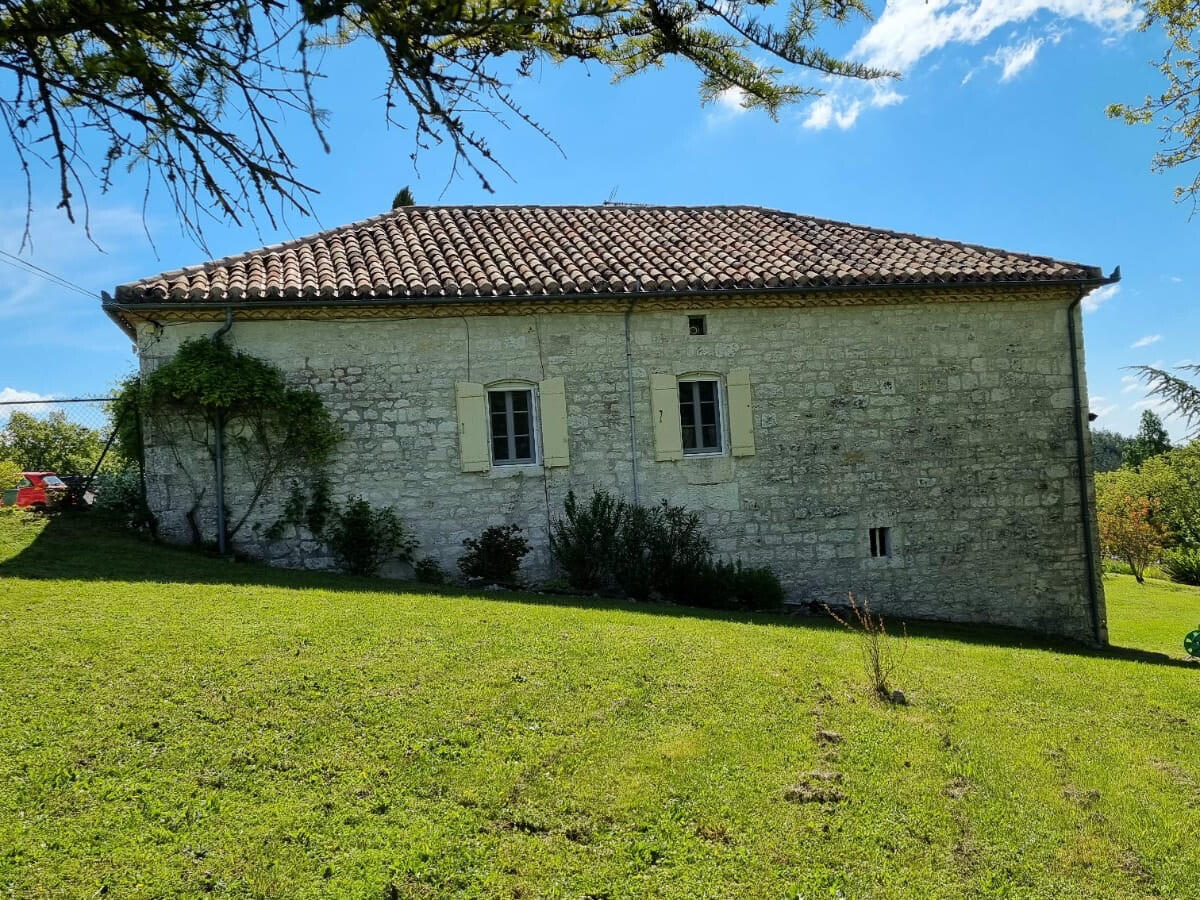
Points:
point(1172, 481)
point(404, 197)
point(1108, 449)
point(1181, 394)
point(1176, 109)
point(10, 474)
point(192, 92)
point(1129, 524)
point(51, 443)
point(1150, 441)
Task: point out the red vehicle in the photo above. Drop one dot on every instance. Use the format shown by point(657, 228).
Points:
point(36, 490)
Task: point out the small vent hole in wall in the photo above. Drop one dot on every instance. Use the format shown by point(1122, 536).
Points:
point(881, 542)
point(697, 325)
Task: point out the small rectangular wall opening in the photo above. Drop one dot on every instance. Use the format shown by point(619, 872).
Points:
point(881, 541)
point(697, 325)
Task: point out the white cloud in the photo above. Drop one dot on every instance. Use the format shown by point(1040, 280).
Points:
point(1100, 295)
point(843, 111)
point(727, 106)
point(885, 97)
point(9, 402)
point(733, 100)
point(826, 111)
point(1101, 409)
point(1013, 59)
point(1146, 341)
point(1130, 383)
point(907, 31)
point(1154, 403)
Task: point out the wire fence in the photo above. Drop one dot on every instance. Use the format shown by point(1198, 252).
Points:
point(70, 436)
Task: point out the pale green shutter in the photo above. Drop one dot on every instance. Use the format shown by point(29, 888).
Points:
point(472, 427)
point(741, 412)
point(552, 396)
point(664, 409)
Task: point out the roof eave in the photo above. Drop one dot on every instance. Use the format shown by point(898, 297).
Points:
point(116, 309)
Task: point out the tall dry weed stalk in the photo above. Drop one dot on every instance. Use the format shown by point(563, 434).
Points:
point(882, 654)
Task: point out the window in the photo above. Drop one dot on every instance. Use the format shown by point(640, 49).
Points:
point(697, 325)
point(881, 542)
point(511, 414)
point(700, 416)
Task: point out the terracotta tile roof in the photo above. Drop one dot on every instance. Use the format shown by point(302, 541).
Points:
point(522, 251)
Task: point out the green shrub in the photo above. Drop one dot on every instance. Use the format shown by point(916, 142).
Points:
point(661, 549)
point(10, 474)
point(429, 571)
point(722, 585)
point(362, 538)
point(648, 550)
point(119, 494)
point(681, 557)
point(1182, 565)
point(583, 543)
point(756, 587)
point(495, 556)
point(632, 568)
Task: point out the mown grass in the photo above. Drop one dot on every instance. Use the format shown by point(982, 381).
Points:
point(174, 725)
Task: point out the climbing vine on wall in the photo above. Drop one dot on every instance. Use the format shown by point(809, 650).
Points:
point(270, 427)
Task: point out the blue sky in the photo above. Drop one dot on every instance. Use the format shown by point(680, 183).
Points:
point(996, 135)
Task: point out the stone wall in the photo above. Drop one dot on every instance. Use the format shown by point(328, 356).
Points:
point(952, 423)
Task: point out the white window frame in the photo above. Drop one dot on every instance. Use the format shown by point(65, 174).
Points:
point(722, 419)
point(535, 425)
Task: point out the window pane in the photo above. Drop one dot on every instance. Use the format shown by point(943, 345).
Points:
point(708, 413)
point(500, 448)
point(520, 400)
point(524, 448)
point(521, 423)
point(687, 415)
point(710, 437)
point(689, 437)
point(707, 391)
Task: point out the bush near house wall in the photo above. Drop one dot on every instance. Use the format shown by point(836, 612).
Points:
point(608, 542)
point(495, 556)
point(363, 538)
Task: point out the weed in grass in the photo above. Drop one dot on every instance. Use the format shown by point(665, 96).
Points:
point(880, 657)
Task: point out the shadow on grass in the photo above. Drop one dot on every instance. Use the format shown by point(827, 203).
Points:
point(85, 547)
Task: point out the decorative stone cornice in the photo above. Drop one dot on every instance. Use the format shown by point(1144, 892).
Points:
point(174, 313)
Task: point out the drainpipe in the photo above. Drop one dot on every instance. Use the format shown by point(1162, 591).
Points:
point(219, 461)
point(632, 415)
point(1085, 506)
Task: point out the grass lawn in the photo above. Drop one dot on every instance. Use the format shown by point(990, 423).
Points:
point(174, 725)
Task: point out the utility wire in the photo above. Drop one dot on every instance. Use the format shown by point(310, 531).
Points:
point(45, 274)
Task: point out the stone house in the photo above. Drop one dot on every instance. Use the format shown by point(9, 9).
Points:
point(861, 410)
